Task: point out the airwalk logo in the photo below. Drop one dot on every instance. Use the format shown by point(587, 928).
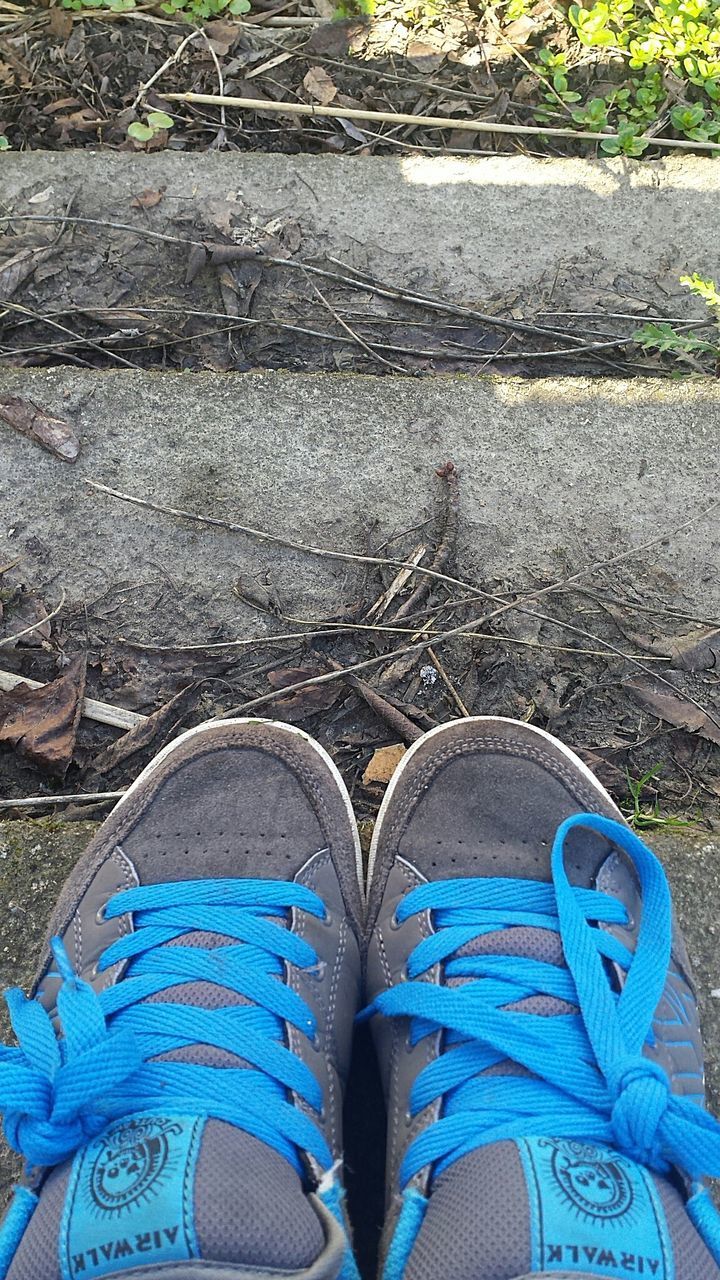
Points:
point(133, 1157)
point(129, 1201)
point(599, 1188)
point(592, 1209)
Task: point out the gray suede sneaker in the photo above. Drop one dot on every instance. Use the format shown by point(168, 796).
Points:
point(177, 1092)
point(535, 1023)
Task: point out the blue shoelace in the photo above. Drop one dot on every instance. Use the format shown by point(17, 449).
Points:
point(590, 1079)
point(57, 1094)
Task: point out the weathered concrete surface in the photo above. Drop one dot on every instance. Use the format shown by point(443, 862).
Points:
point(35, 857)
point(582, 469)
point(505, 225)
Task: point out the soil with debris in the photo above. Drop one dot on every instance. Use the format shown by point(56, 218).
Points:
point(617, 668)
point(71, 79)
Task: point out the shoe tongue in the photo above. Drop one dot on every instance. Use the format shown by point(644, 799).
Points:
point(152, 1190)
point(553, 1207)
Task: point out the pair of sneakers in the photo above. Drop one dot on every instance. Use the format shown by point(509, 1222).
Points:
point(178, 1086)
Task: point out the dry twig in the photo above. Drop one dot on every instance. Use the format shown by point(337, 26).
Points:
point(34, 802)
point(18, 635)
point(427, 122)
point(449, 475)
point(101, 712)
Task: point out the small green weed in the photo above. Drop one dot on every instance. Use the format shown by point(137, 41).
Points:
point(4, 144)
point(154, 123)
point(664, 56)
point(643, 812)
point(354, 9)
point(201, 10)
point(665, 337)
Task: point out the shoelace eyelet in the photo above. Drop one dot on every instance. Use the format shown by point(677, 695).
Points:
point(100, 914)
point(394, 923)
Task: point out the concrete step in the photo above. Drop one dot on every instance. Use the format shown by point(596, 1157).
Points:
point(570, 233)
point(554, 474)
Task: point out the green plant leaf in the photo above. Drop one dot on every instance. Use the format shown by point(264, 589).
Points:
point(705, 289)
point(4, 144)
point(140, 132)
point(160, 120)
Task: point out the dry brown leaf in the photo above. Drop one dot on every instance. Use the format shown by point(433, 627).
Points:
point(520, 31)
point(383, 764)
point(695, 651)
point(425, 58)
point(608, 773)
point(675, 709)
point(222, 253)
point(28, 611)
point(305, 702)
point(222, 35)
point(41, 724)
point(41, 197)
point(86, 120)
point(60, 104)
point(160, 727)
point(320, 85)
point(525, 88)
point(16, 270)
point(352, 130)
point(148, 198)
point(60, 23)
point(54, 434)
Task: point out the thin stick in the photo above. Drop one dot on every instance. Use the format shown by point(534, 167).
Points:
point(41, 622)
point(277, 61)
point(264, 536)
point(383, 602)
point(428, 122)
point(396, 719)
point(169, 62)
point(358, 280)
point(258, 23)
point(102, 712)
point(375, 355)
point(33, 802)
point(447, 682)
point(78, 220)
point(341, 628)
point(90, 342)
point(505, 605)
point(361, 280)
point(221, 82)
point(354, 557)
